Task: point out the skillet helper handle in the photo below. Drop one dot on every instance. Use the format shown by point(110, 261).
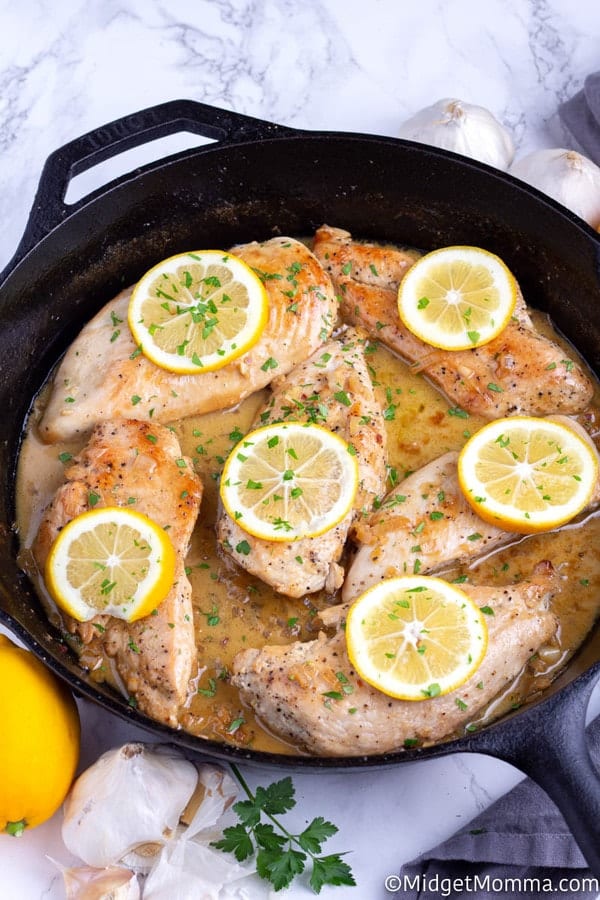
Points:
point(49, 208)
point(548, 743)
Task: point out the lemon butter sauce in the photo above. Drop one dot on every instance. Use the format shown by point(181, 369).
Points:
point(234, 610)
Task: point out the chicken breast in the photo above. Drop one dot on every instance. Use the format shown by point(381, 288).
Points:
point(290, 687)
point(520, 371)
point(103, 375)
point(422, 524)
point(426, 523)
point(140, 466)
point(333, 389)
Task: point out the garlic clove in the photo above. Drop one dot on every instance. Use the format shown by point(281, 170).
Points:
point(214, 793)
point(566, 176)
point(87, 883)
point(131, 796)
point(464, 128)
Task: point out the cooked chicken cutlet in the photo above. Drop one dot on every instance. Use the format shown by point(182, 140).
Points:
point(332, 388)
point(103, 376)
point(137, 465)
point(426, 523)
point(288, 686)
point(520, 371)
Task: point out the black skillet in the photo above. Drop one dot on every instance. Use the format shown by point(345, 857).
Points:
point(256, 180)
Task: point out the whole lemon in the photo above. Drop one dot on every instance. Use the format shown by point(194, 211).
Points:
point(39, 747)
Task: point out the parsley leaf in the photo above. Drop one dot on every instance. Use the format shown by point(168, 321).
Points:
point(281, 855)
point(330, 870)
point(267, 838)
point(277, 798)
point(236, 840)
point(248, 812)
point(282, 866)
point(317, 832)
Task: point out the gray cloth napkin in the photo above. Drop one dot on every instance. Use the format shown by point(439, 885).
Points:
point(581, 116)
point(521, 836)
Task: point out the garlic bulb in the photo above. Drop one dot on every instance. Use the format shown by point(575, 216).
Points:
point(144, 798)
point(565, 175)
point(464, 128)
point(131, 797)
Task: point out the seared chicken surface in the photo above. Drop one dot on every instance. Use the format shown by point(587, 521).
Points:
point(520, 371)
point(425, 523)
point(288, 685)
point(138, 465)
point(102, 376)
point(333, 389)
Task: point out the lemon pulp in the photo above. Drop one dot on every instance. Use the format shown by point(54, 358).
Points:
point(110, 561)
point(415, 637)
point(527, 474)
point(289, 480)
point(457, 298)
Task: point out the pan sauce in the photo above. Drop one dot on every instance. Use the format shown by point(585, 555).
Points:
point(233, 610)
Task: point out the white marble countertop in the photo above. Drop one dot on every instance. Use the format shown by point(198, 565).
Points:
point(71, 65)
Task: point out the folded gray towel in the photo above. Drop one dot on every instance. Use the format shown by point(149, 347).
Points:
point(519, 847)
point(581, 115)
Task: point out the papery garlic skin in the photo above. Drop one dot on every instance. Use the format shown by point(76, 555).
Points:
point(194, 871)
point(188, 868)
point(463, 128)
point(132, 795)
point(566, 176)
point(219, 792)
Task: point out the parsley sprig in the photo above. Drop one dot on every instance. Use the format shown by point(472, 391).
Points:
point(280, 855)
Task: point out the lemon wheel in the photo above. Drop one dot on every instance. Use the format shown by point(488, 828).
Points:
point(196, 312)
point(415, 637)
point(288, 481)
point(457, 298)
point(110, 561)
point(526, 474)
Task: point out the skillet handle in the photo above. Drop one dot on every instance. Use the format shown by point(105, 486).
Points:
point(49, 208)
point(548, 743)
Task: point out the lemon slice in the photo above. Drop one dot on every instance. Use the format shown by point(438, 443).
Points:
point(110, 561)
point(288, 481)
point(457, 298)
point(415, 637)
point(526, 474)
point(196, 312)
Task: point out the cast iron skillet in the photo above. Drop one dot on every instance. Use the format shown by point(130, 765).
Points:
point(257, 180)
